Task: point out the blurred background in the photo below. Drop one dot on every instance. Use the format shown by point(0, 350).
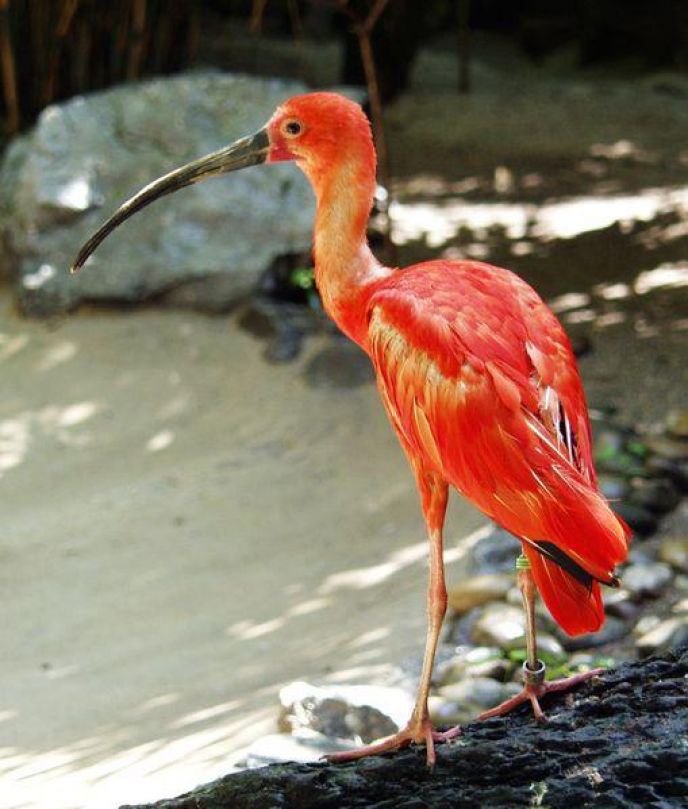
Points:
point(203, 503)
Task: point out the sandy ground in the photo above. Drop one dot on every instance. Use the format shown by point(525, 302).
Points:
point(186, 530)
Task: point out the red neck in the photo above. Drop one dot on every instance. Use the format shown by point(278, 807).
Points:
point(346, 272)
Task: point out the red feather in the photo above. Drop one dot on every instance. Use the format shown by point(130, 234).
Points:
point(478, 378)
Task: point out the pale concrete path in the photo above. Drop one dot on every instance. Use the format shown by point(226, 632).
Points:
point(185, 529)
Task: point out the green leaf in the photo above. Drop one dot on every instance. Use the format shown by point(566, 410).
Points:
point(303, 278)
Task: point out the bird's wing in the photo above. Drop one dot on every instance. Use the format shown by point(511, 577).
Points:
point(473, 313)
point(478, 379)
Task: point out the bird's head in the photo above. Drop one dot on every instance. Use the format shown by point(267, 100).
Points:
point(320, 131)
point(325, 133)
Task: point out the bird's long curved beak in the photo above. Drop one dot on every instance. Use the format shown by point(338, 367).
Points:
point(245, 152)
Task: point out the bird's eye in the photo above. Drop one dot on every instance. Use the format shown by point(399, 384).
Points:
point(292, 128)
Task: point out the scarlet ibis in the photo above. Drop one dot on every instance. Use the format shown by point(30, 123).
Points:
point(477, 378)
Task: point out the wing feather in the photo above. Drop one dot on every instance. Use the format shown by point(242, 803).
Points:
point(478, 379)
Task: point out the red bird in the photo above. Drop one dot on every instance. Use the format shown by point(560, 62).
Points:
point(476, 375)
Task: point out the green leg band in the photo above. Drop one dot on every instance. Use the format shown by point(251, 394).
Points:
point(522, 563)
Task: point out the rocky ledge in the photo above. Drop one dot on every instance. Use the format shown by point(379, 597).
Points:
point(620, 741)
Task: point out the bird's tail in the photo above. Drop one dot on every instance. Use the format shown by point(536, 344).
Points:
point(575, 606)
point(569, 587)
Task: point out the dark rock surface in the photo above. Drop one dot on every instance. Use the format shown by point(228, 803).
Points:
point(621, 744)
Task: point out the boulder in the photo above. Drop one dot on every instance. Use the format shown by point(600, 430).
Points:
point(206, 247)
point(363, 712)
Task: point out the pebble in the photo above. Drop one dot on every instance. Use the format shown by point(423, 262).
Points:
point(643, 580)
point(471, 701)
point(444, 712)
point(614, 487)
point(515, 598)
point(601, 413)
point(496, 553)
point(674, 551)
point(549, 646)
point(476, 591)
point(613, 629)
point(608, 441)
point(611, 455)
point(667, 447)
point(481, 691)
point(285, 346)
point(619, 603)
point(481, 661)
point(583, 661)
point(499, 625)
point(659, 495)
point(640, 519)
point(640, 555)
point(677, 471)
point(646, 624)
point(481, 654)
point(677, 422)
point(665, 635)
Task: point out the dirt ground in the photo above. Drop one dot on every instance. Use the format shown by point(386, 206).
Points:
point(187, 528)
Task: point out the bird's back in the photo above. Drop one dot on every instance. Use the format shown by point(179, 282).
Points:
point(479, 380)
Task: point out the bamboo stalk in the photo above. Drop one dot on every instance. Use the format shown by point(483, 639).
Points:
point(375, 103)
point(68, 12)
point(363, 29)
point(50, 49)
point(374, 15)
point(256, 23)
point(464, 46)
point(61, 30)
point(9, 72)
point(194, 34)
point(34, 13)
point(138, 29)
point(295, 18)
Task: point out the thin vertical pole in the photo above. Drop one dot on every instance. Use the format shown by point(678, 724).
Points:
point(464, 45)
point(9, 72)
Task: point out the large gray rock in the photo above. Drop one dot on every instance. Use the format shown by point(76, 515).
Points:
point(205, 247)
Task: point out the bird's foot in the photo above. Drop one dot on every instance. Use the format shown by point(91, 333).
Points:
point(534, 687)
point(416, 732)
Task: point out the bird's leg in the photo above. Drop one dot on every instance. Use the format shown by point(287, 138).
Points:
point(419, 729)
point(534, 670)
point(419, 725)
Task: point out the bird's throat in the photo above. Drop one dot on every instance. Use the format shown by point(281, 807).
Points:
point(346, 271)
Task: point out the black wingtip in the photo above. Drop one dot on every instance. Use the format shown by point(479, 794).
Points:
point(555, 554)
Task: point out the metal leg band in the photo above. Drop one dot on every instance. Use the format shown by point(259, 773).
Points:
point(534, 676)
